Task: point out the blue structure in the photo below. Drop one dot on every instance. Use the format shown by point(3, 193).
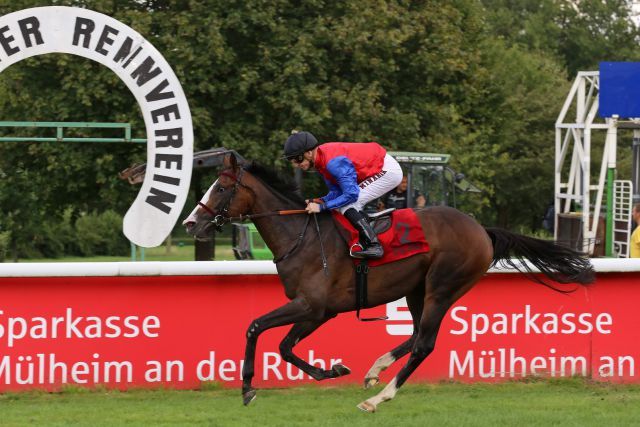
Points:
point(619, 89)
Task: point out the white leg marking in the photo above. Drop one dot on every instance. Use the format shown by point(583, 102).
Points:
point(380, 365)
point(388, 393)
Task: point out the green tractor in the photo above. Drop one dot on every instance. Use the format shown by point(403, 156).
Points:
point(428, 175)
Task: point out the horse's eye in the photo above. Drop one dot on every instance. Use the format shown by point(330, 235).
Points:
point(221, 190)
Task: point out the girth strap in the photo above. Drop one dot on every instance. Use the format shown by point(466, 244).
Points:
point(362, 271)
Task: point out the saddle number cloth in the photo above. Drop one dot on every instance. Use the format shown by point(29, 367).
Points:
point(403, 239)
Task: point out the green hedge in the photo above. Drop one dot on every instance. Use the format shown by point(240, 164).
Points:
point(5, 237)
point(86, 234)
point(100, 234)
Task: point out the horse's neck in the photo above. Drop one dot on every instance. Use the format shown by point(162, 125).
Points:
point(278, 232)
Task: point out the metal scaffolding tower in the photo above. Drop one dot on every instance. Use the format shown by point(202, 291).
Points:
point(578, 196)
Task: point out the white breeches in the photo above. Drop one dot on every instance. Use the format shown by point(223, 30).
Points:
point(377, 185)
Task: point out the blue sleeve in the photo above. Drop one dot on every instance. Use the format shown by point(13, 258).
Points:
point(334, 191)
point(346, 191)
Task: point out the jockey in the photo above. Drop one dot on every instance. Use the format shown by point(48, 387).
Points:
point(356, 173)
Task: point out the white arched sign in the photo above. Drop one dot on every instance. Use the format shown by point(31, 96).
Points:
point(147, 74)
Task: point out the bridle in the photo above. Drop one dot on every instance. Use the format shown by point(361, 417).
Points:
point(220, 219)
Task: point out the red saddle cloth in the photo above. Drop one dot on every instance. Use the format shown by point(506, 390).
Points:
point(403, 239)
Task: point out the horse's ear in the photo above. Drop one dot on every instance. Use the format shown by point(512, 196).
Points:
point(230, 161)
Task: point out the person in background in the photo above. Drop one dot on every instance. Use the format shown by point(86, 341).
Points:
point(356, 174)
point(634, 242)
point(548, 221)
point(397, 198)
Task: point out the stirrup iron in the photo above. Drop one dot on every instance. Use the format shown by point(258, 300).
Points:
point(351, 253)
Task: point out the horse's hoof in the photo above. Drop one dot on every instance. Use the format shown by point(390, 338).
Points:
point(367, 407)
point(370, 382)
point(248, 397)
point(340, 370)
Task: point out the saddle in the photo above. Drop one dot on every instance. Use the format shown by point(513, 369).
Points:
point(401, 235)
point(399, 232)
point(380, 221)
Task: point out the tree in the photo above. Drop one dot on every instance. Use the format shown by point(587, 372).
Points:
point(580, 33)
point(513, 114)
point(481, 83)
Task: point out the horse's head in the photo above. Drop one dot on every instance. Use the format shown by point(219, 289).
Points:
point(227, 197)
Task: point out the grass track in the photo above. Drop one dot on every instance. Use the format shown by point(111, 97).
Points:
point(568, 402)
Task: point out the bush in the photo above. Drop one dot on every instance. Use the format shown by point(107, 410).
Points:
point(57, 237)
point(5, 237)
point(100, 234)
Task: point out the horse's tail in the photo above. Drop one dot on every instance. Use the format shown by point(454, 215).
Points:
point(559, 263)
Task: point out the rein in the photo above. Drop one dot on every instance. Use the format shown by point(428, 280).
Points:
point(295, 246)
point(220, 220)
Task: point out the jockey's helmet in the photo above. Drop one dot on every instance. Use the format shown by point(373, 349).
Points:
point(299, 143)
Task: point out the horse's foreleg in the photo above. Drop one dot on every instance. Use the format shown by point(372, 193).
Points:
point(298, 332)
point(434, 312)
point(415, 302)
point(297, 310)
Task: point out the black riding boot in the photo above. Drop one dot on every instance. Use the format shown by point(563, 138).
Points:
point(371, 247)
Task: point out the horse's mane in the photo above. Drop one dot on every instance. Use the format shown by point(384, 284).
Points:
point(282, 185)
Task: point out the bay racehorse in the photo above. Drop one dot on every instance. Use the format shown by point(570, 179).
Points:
point(461, 251)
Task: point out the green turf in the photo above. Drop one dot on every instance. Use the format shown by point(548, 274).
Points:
point(572, 402)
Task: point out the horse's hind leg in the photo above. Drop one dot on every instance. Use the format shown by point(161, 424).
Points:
point(458, 261)
point(415, 302)
point(434, 312)
point(443, 287)
point(298, 332)
point(372, 377)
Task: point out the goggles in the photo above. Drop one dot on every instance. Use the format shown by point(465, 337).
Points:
point(298, 158)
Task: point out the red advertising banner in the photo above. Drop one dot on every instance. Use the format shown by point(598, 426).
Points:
point(180, 330)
